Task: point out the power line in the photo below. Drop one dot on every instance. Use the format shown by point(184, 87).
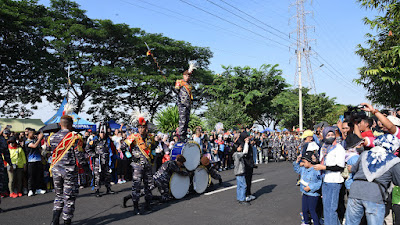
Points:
point(219, 6)
point(344, 81)
point(253, 17)
point(221, 18)
point(200, 22)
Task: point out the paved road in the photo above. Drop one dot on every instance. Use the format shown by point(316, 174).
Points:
point(278, 202)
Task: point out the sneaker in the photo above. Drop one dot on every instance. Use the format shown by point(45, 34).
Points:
point(120, 181)
point(252, 197)
point(40, 192)
point(123, 181)
point(13, 195)
point(112, 183)
point(247, 199)
point(19, 194)
point(30, 193)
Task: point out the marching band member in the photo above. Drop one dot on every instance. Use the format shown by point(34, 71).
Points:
point(141, 146)
point(102, 151)
point(65, 145)
point(185, 98)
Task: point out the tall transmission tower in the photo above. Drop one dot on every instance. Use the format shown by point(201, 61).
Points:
point(303, 52)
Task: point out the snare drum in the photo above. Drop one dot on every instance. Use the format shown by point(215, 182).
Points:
point(179, 185)
point(201, 179)
point(177, 150)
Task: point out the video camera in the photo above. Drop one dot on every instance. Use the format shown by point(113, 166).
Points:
point(354, 114)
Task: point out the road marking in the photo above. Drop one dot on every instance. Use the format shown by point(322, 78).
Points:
point(231, 187)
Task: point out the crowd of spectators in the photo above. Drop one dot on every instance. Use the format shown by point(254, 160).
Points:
point(350, 171)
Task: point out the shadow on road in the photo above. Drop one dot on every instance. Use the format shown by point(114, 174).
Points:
point(28, 206)
point(265, 190)
point(106, 219)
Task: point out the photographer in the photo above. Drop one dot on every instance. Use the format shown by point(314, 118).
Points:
point(35, 166)
point(388, 126)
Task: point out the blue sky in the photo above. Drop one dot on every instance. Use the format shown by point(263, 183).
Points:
point(335, 26)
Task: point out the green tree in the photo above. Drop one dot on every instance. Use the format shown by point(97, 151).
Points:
point(230, 113)
point(381, 73)
point(333, 116)
point(109, 66)
point(167, 120)
point(315, 107)
point(25, 61)
point(251, 89)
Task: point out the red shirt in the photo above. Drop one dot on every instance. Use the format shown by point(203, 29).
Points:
point(367, 134)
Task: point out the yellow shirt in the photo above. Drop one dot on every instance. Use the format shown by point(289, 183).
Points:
point(17, 156)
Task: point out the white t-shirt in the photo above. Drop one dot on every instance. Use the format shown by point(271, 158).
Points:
point(117, 141)
point(334, 158)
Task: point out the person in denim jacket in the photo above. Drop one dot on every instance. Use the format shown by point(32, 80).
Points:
point(310, 183)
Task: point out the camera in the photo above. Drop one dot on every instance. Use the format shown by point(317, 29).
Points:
point(354, 114)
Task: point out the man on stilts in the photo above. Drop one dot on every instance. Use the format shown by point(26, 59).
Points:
point(65, 145)
point(141, 145)
point(184, 91)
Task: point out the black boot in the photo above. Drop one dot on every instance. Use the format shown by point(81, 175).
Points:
point(98, 193)
point(56, 217)
point(147, 206)
point(220, 181)
point(109, 191)
point(67, 222)
point(125, 200)
point(136, 208)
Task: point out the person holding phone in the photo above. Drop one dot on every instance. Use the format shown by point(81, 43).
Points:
point(35, 166)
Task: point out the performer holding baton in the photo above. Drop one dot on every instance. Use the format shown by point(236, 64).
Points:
point(184, 91)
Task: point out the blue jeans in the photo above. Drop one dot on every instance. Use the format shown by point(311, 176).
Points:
point(241, 188)
point(255, 154)
point(374, 212)
point(309, 205)
point(330, 200)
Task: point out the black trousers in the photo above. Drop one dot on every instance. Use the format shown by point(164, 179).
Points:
point(35, 175)
point(396, 212)
point(248, 174)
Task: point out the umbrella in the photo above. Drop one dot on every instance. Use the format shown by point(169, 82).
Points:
point(267, 130)
point(284, 130)
point(50, 128)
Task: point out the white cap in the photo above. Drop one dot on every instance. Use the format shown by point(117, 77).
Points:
point(312, 146)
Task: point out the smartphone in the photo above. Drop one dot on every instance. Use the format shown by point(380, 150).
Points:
point(341, 117)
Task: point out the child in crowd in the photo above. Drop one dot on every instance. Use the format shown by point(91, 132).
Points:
point(18, 161)
point(242, 150)
point(310, 183)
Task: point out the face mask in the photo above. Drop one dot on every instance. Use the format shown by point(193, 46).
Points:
point(330, 140)
point(360, 149)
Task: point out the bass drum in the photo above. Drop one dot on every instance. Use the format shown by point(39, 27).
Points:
point(201, 179)
point(192, 153)
point(179, 185)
